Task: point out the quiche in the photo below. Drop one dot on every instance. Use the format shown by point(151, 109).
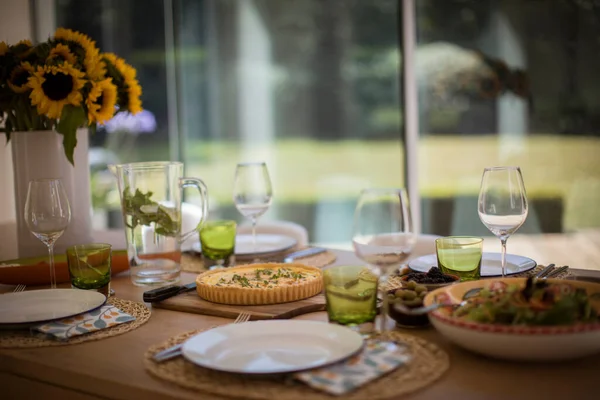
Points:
point(256, 284)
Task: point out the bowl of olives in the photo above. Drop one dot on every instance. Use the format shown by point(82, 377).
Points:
point(433, 279)
point(410, 295)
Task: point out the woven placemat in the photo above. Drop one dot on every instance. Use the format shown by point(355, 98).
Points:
point(394, 282)
point(532, 272)
point(194, 263)
point(26, 339)
point(428, 364)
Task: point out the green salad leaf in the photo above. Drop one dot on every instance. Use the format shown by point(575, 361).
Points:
point(539, 303)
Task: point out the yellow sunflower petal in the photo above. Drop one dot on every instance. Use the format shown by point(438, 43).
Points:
point(19, 76)
point(25, 42)
point(3, 48)
point(51, 92)
point(63, 52)
point(91, 61)
point(105, 92)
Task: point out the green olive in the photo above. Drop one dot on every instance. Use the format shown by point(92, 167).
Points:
point(411, 284)
point(413, 302)
point(398, 292)
point(409, 295)
point(420, 289)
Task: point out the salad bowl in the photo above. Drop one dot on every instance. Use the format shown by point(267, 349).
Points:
point(556, 335)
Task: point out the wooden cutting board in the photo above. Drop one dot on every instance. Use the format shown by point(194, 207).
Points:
point(191, 303)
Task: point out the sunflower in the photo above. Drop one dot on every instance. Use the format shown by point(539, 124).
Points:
point(54, 86)
point(62, 53)
point(22, 49)
point(26, 42)
point(101, 101)
point(17, 80)
point(3, 48)
point(134, 90)
point(90, 53)
point(131, 89)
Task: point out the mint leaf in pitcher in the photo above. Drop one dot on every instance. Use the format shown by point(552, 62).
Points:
point(139, 209)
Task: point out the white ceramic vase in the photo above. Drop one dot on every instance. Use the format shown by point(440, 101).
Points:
point(39, 155)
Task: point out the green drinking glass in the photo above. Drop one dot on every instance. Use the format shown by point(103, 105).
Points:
point(351, 297)
point(218, 243)
point(460, 255)
point(89, 266)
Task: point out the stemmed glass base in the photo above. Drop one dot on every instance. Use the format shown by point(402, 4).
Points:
point(52, 269)
point(49, 242)
point(503, 263)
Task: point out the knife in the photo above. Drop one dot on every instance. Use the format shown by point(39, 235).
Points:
point(311, 251)
point(163, 293)
point(545, 271)
point(557, 271)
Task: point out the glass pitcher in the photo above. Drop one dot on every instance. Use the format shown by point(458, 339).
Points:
point(151, 194)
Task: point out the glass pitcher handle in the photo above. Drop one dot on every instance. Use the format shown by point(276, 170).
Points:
point(199, 184)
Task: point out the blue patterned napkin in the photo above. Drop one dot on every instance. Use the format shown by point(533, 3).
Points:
point(100, 318)
point(376, 359)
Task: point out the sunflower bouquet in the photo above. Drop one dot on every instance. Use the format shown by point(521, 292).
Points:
point(63, 84)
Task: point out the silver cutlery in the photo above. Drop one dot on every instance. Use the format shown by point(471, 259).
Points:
point(175, 351)
point(557, 271)
point(545, 271)
point(19, 288)
point(303, 253)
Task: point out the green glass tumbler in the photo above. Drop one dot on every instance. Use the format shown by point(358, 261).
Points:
point(89, 266)
point(460, 255)
point(351, 297)
point(218, 243)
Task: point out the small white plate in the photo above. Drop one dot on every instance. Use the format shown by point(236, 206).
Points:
point(271, 347)
point(265, 244)
point(491, 264)
point(47, 304)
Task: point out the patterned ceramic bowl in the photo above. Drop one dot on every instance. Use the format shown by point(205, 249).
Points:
point(516, 342)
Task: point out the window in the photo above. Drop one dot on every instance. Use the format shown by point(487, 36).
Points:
point(311, 87)
point(510, 83)
point(314, 89)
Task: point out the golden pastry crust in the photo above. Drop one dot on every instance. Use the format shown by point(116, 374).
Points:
point(258, 284)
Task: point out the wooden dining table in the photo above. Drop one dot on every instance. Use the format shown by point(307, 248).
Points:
point(114, 367)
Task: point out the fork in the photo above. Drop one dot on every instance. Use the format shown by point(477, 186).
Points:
point(19, 288)
point(175, 351)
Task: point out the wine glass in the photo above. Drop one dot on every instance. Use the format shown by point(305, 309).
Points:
point(47, 214)
point(252, 192)
point(382, 233)
point(502, 204)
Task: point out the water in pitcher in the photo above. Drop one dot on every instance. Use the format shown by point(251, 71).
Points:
point(154, 259)
point(151, 196)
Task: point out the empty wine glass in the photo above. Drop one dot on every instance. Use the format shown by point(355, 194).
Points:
point(252, 192)
point(382, 233)
point(502, 204)
point(47, 214)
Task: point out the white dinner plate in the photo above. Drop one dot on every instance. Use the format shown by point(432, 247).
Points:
point(270, 347)
point(490, 264)
point(265, 244)
point(47, 304)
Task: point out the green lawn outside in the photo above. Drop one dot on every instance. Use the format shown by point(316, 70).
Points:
point(311, 171)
